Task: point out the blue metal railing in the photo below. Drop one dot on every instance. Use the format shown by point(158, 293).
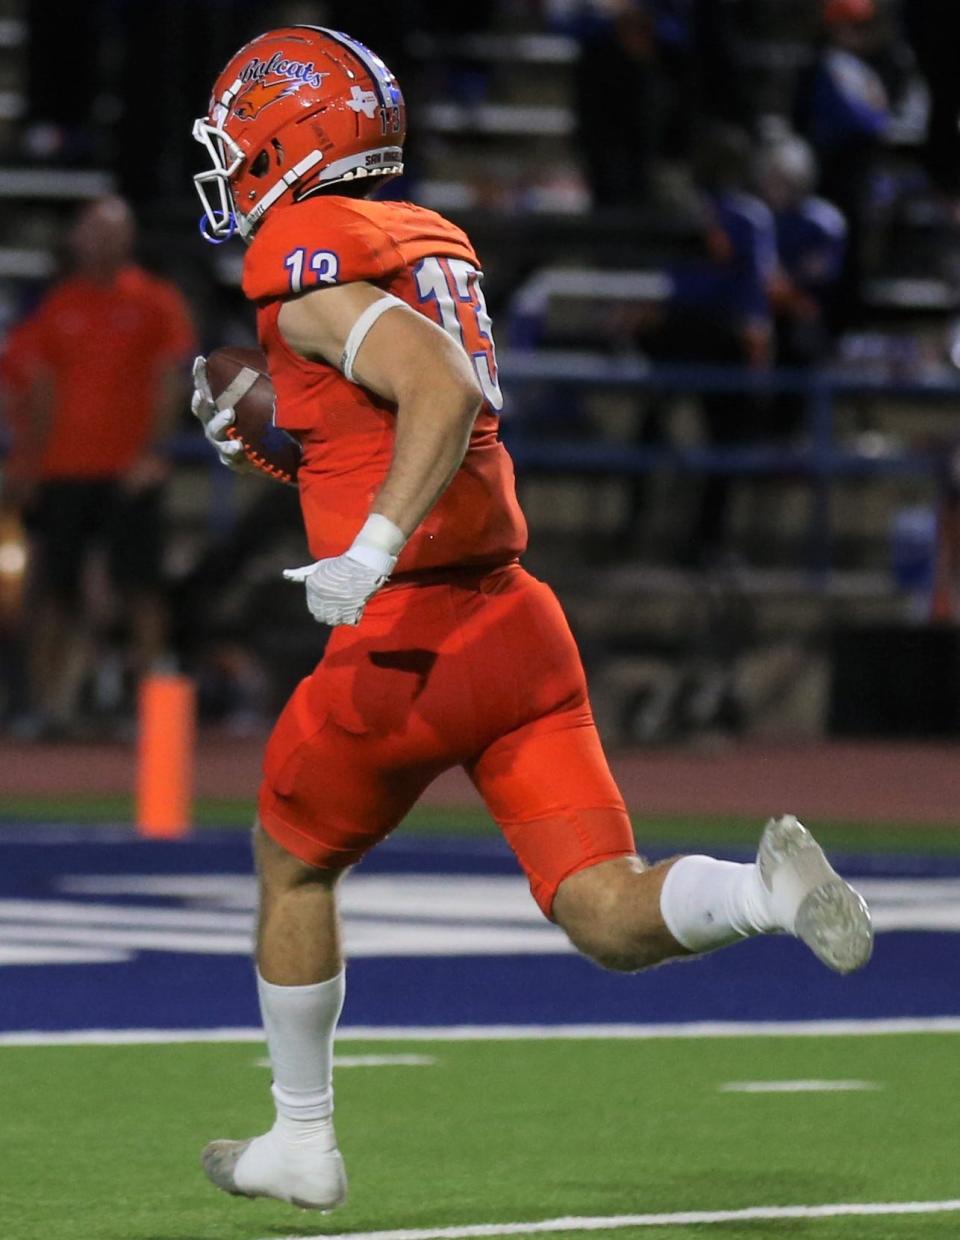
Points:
point(822, 459)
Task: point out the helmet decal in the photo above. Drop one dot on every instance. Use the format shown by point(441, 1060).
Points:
point(260, 95)
point(255, 70)
point(364, 101)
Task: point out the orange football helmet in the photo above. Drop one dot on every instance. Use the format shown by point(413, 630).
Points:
point(294, 110)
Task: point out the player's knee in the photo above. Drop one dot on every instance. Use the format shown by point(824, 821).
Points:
point(280, 870)
point(618, 952)
point(610, 912)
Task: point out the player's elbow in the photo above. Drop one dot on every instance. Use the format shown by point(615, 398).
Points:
point(455, 399)
point(460, 371)
point(446, 391)
point(466, 398)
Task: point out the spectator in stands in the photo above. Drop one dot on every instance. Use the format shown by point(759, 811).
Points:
point(843, 109)
point(649, 71)
point(811, 237)
point(845, 106)
point(727, 291)
point(108, 342)
point(702, 77)
point(614, 93)
point(811, 243)
point(719, 312)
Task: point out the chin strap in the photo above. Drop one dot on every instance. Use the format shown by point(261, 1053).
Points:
point(280, 187)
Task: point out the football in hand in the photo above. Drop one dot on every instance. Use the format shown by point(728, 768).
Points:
point(239, 380)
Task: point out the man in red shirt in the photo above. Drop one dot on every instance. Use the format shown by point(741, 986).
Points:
point(445, 651)
point(108, 343)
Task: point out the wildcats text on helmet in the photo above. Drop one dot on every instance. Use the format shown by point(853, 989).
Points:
point(255, 70)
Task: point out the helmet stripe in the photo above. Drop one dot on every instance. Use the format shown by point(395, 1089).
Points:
point(381, 76)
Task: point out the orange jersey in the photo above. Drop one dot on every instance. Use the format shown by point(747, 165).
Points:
point(104, 346)
point(347, 433)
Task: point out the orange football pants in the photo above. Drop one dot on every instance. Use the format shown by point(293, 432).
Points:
point(477, 669)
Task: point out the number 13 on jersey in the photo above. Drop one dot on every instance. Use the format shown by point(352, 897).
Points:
point(454, 285)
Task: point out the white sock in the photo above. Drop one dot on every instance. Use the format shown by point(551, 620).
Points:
point(707, 903)
point(299, 1022)
point(298, 1159)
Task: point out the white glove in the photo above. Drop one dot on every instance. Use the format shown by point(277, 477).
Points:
point(338, 588)
point(216, 422)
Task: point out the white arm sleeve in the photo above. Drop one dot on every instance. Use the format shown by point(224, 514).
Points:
point(358, 333)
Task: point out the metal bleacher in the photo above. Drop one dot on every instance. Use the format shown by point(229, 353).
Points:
point(498, 153)
point(34, 200)
point(823, 457)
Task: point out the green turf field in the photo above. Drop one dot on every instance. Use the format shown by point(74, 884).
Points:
point(102, 1143)
point(651, 831)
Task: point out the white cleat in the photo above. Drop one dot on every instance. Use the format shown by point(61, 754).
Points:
point(310, 1179)
point(810, 898)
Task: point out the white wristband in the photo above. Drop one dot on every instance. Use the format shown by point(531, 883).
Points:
point(378, 544)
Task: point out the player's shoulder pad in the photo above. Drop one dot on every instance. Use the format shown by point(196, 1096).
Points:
point(322, 241)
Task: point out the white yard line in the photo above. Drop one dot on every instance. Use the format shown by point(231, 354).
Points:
point(488, 1033)
point(372, 1061)
point(124, 916)
point(129, 1037)
point(127, 938)
point(796, 1087)
point(40, 954)
point(384, 1061)
point(614, 1222)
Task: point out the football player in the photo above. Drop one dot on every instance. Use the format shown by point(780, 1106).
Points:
point(444, 651)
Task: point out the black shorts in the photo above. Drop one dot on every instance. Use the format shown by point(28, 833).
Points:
point(70, 518)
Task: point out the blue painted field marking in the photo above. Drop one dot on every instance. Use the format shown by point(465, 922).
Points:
point(157, 935)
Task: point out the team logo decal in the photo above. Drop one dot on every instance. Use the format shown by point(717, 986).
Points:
point(287, 78)
point(364, 101)
point(256, 70)
point(260, 95)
